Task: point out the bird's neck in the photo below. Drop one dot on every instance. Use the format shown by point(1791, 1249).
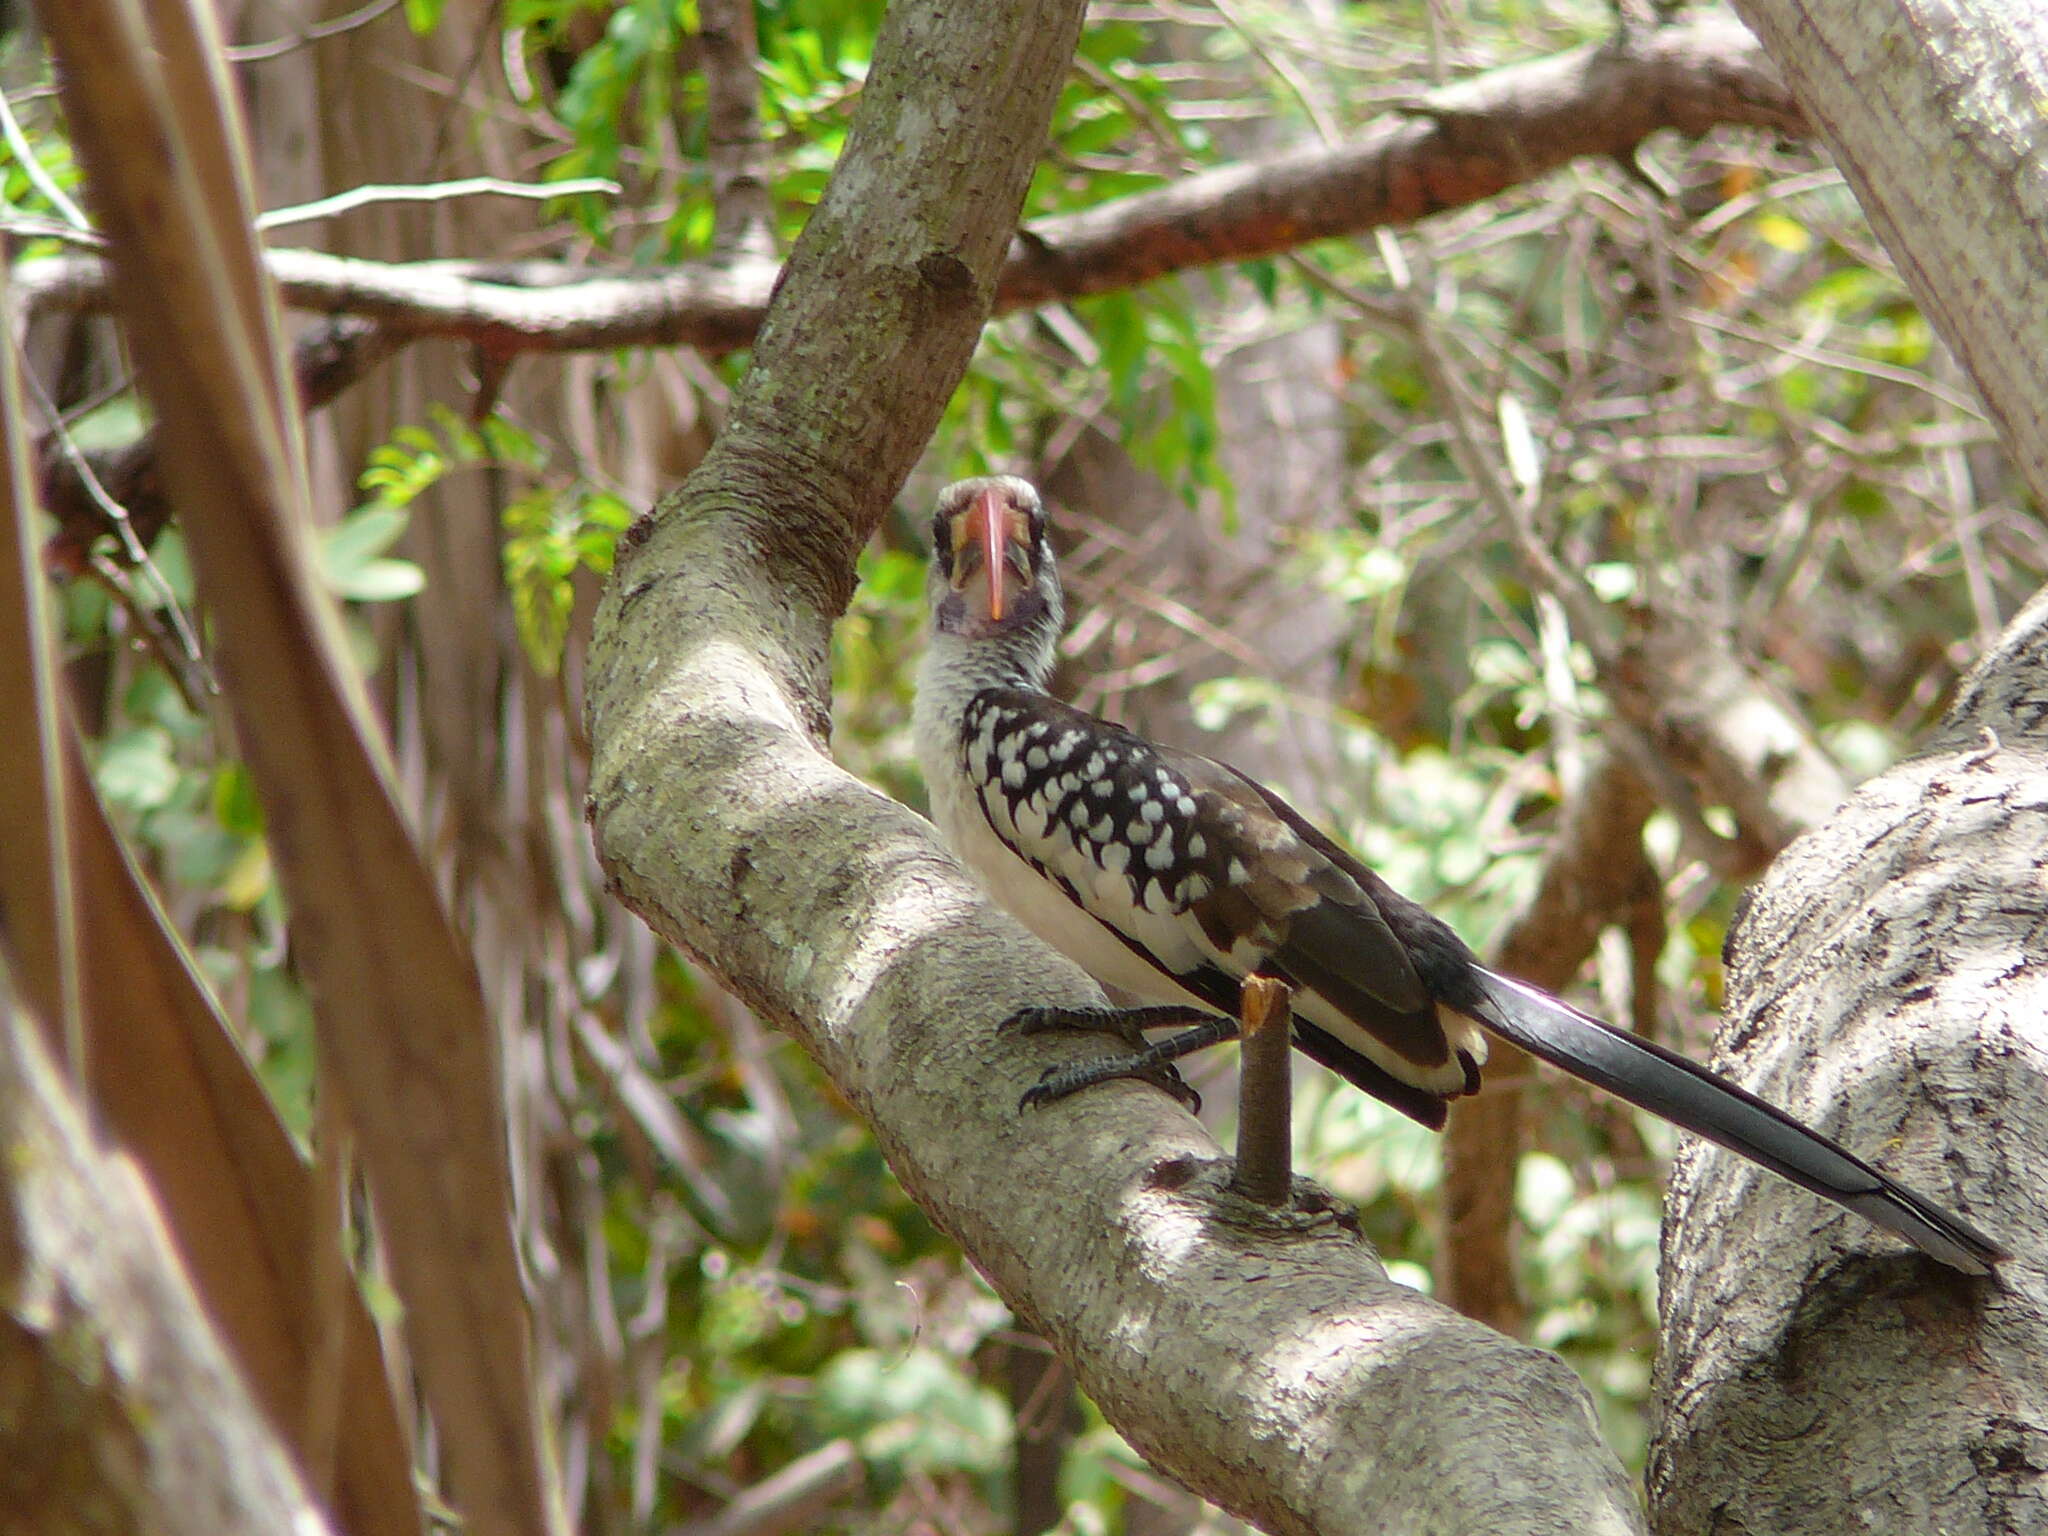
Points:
point(956, 666)
point(962, 661)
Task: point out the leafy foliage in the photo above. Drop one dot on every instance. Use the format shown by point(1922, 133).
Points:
point(557, 528)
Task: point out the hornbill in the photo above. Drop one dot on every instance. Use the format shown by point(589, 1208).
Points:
point(1174, 879)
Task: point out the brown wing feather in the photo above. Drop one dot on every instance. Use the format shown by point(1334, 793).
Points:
point(1447, 969)
point(1315, 920)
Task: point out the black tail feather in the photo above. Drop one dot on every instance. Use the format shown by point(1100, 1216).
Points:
point(1688, 1095)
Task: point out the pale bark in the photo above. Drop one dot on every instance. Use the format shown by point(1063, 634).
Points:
point(1267, 1363)
point(1722, 734)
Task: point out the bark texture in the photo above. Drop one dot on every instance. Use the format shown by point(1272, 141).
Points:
point(1905, 938)
point(1266, 1362)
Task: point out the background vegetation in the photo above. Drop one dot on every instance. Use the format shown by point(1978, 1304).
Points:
point(1692, 372)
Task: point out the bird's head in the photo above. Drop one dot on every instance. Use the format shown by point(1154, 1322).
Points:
point(992, 572)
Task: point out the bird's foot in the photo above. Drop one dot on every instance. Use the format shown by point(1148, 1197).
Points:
point(1152, 1064)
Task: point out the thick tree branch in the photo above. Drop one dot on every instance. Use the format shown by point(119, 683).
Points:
point(1264, 1360)
point(1457, 146)
point(1906, 935)
point(1453, 148)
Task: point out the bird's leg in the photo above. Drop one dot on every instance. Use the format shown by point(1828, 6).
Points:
point(1265, 1092)
point(1127, 1024)
point(1149, 1063)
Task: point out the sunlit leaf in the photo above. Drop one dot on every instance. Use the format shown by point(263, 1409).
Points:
point(136, 770)
point(1782, 232)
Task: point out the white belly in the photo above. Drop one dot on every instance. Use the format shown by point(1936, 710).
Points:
point(1041, 906)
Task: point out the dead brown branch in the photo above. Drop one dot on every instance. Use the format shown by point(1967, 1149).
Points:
point(1453, 148)
point(123, 1411)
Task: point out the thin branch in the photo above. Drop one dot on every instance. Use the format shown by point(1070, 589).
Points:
point(118, 491)
point(1265, 1093)
point(172, 642)
point(1282, 69)
point(793, 1499)
point(432, 192)
point(277, 48)
point(33, 168)
point(1594, 101)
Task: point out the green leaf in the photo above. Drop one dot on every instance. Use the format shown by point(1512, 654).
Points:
point(248, 879)
point(351, 557)
point(381, 581)
point(168, 576)
point(917, 1412)
point(361, 536)
point(1782, 232)
point(136, 770)
point(1264, 275)
point(1612, 581)
point(235, 804)
point(115, 424)
point(1544, 1190)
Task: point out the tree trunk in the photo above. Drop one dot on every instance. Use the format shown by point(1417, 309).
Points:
point(1900, 945)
